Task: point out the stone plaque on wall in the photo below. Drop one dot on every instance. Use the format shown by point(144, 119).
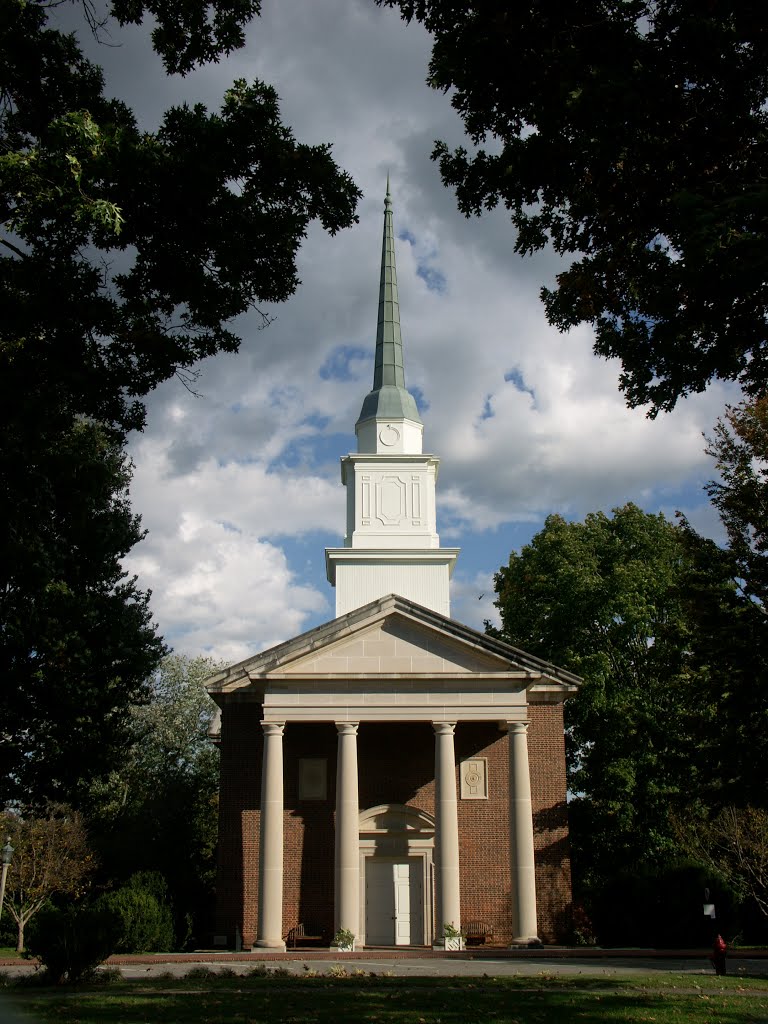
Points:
point(474, 779)
point(313, 778)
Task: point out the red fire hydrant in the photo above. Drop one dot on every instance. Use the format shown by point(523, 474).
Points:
point(718, 954)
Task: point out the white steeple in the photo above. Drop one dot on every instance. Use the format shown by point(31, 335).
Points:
point(391, 544)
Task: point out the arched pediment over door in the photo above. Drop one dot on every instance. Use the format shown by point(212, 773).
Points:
point(396, 819)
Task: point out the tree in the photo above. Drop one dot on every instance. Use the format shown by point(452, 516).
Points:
point(733, 842)
point(164, 793)
point(604, 599)
point(124, 256)
point(726, 596)
point(127, 253)
point(633, 137)
point(50, 858)
point(740, 448)
point(77, 642)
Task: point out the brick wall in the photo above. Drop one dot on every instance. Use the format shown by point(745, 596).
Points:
point(546, 757)
point(395, 765)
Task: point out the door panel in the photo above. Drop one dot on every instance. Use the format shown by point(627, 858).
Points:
point(379, 903)
point(394, 902)
point(401, 877)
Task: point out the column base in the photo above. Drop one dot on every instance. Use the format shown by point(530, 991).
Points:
point(526, 943)
point(275, 945)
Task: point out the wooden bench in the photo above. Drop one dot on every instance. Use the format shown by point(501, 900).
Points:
point(476, 933)
point(302, 934)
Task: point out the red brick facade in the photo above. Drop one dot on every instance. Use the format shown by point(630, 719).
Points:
point(396, 766)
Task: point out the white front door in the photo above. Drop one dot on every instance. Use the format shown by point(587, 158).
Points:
point(394, 902)
point(402, 883)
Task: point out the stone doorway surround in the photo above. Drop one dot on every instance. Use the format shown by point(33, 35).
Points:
point(396, 833)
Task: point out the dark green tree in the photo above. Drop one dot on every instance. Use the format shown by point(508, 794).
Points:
point(124, 257)
point(126, 253)
point(726, 596)
point(77, 642)
point(740, 449)
point(632, 137)
point(157, 810)
point(604, 598)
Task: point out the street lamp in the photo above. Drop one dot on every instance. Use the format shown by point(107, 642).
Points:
point(7, 853)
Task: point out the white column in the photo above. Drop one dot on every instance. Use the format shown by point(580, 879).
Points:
point(347, 909)
point(270, 924)
point(448, 896)
point(521, 861)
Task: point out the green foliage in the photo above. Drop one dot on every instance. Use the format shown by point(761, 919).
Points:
point(734, 842)
point(631, 136)
point(164, 796)
point(124, 257)
point(344, 937)
point(146, 921)
point(72, 941)
point(129, 252)
point(603, 599)
point(661, 906)
point(51, 858)
point(77, 641)
point(740, 449)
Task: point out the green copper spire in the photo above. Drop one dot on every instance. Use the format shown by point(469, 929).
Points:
point(389, 398)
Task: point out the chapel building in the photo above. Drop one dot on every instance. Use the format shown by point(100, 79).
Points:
point(392, 772)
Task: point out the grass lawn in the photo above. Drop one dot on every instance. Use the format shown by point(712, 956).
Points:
point(380, 1000)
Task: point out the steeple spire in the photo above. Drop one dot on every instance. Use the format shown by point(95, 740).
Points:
point(389, 399)
point(391, 545)
point(388, 367)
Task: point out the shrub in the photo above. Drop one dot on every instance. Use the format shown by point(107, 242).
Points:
point(72, 942)
point(145, 925)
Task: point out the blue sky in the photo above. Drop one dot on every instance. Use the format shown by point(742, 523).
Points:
point(240, 488)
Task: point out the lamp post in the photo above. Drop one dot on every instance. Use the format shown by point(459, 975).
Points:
point(7, 853)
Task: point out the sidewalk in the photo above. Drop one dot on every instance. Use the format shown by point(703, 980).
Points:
point(426, 962)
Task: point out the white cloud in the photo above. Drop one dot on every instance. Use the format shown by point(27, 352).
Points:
point(226, 482)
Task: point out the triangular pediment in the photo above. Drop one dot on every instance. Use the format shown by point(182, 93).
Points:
point(390, 638)
point(396, 645)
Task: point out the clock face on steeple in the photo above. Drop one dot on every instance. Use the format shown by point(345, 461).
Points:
point(389, 435)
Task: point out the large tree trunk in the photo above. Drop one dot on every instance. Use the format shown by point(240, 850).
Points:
point(20, 941)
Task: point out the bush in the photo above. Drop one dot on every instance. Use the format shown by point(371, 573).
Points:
point(72, 942)
point(145, 925)
point(662, 907)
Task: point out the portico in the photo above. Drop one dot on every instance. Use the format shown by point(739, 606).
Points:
point(394, 662)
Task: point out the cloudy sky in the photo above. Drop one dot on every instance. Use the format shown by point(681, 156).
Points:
point(239, 488)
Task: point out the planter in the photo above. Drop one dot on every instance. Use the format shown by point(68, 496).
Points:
point(343, 948)
point(454, 945)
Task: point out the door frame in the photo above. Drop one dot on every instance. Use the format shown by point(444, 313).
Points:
point(396, 833)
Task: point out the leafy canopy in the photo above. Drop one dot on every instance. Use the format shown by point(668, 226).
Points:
point(126, 253)
point(164, 793)
point(77, 641)
point(604, 598)
point(50, 857)
point(125, 256)
point(631, 135)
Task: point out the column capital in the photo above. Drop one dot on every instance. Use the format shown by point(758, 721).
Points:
point(273, 728)
point(518, 727)
point(444, 728)
point(347, 728)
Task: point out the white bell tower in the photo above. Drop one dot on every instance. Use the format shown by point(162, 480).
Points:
point(391, 544)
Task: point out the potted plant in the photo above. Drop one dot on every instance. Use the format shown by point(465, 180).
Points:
point(453, 937)
point(343, 941)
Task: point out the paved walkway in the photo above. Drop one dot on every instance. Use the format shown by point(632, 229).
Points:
point(428, 963)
